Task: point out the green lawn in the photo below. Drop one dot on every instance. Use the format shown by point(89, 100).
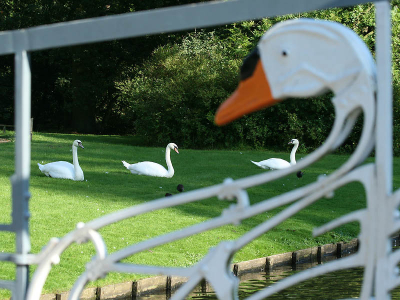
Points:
point(58, 205)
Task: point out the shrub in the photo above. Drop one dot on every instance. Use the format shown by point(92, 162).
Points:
point(174, 94)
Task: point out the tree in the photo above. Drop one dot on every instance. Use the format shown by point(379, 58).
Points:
point(97, 88)
point(175, 93)
point(73, 88)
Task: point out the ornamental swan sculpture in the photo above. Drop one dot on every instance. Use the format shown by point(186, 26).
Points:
point(305, 58)
point(63, 169)
point(278, 163)
point(150, 168)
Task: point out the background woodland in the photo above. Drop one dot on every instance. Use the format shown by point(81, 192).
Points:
point(167, 87)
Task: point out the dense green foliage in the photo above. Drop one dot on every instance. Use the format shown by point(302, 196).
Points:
point(166, 92)
point(176, 92)
point(73, 89)
point(167, 87)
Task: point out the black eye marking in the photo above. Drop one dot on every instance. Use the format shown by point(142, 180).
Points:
point(284, 53)
point(249, 64)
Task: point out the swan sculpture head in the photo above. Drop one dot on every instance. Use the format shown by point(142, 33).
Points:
point(299, 58)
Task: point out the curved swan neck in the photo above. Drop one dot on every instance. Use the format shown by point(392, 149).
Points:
point(293, 154)
point(75, 158)
point(168, 160)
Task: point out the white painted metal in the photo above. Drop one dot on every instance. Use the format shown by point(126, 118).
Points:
point(20, 180)
point(164, 20)
point(385, 211)
point(352, 78)
point(354, 90)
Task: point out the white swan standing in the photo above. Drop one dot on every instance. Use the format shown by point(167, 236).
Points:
point(278, 163)
point(153, 169)
point(63, 169)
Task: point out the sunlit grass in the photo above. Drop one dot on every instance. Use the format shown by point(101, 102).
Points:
point(58, 205)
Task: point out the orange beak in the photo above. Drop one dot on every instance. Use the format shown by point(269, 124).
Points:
point(251, 95)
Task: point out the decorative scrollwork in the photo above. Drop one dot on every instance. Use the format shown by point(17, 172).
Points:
point(342, 64)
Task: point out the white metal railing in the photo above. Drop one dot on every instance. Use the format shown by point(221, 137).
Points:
point(378, 220)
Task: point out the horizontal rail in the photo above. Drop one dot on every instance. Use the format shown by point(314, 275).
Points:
point(19, 259)
point(6, 227)
point(154, 21)
point(7, 284)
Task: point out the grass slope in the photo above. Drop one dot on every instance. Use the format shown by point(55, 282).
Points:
point(58, 205)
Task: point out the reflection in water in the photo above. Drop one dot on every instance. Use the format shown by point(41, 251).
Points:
point(342, 284)
point(336, 285)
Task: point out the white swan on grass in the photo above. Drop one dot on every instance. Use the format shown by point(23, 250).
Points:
point(278, 163)
point(153, 169)
point(63, 169)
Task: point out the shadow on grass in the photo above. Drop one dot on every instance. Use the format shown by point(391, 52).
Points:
point(53, 138)
point(108, 182)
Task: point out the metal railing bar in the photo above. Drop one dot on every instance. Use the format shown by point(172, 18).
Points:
point(6, 227)
point(20, 179)
point(7, 284)
point(18, 259)
point(154, 21)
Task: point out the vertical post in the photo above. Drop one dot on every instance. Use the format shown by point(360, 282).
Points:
point(384, 137)
point(384, 145)
point(20, 179)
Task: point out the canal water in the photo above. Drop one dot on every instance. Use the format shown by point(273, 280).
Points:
point(336, 285)
point(344, 284)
